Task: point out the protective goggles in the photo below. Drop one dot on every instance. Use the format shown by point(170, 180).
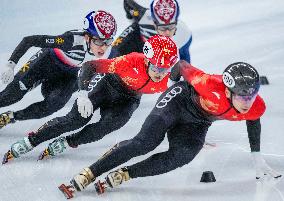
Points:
point(157, 69)
point(169, 27)
point(247, 100)
point(102, 42)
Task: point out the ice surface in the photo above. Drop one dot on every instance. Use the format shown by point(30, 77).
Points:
point(224, 31)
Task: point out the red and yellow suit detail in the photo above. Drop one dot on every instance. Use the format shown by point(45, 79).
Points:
point(132, 69)
point(212, 97)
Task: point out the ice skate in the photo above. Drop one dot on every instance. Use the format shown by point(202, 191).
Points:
point(113, 179)
point(8, 156)
point(54, 148)
point(6, 118)
point(17, 149)
point(78, 183)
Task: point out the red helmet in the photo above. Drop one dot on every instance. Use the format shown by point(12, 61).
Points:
point(161, 51)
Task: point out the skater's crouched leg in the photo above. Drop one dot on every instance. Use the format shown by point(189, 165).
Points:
point(74, 118)
point(184, 145)
point(112, 118)
point(57, 93)
point(151, 135)
point(57, 126)
point(164, 162)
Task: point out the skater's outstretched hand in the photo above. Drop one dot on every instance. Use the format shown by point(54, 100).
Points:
point(7, 75)
point(85, 106)
point(262, 168)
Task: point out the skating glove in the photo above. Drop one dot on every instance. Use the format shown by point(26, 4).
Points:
point(7, 75)
point(175, 73)
point(262, 168)
point(85, 106)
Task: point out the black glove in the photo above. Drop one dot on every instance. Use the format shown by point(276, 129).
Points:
point(175, 72)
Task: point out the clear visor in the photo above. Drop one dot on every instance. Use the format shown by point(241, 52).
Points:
point(245, 100)
point(169, 27)
point(158, 69)
point(102, 42)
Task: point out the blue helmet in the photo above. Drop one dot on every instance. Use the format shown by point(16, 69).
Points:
point(100, 24)
point(164, 11)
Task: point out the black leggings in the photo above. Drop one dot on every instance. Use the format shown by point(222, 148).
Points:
point(57, 86)
point(113, 117)
point(115, 108)
point(175, 116)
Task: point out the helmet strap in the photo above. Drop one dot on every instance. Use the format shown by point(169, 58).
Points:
point(231, 99)
point(88, 43)
point(231, 102)
point(148, 70)
point(175, 31)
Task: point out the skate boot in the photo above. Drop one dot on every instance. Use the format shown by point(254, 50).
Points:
point(116, 177)
point(113, 179)
point(17, 149)
point(78, 183)
point(6, 118)
point(54, 148)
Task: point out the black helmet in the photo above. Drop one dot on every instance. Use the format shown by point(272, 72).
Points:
point(133, 10)
point(241, 79)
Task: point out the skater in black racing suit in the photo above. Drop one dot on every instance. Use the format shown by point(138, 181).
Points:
point(55, 66)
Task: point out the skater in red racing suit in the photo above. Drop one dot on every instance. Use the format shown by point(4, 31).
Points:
point(185, 112)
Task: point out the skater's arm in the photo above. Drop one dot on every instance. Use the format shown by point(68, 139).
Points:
point(183, 39)
point(128, 41)
point(85, 74)
point(261, 167)
point(43, 41)
point(134, 11)
point(190, 73)
point(113, 53)
point(119, 65)
point(89, 68)
point(253, 123)
point(184, 51)
point(175, 72)
point(254, 130)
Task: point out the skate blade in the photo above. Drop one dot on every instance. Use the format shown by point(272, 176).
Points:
point(7, 157)
point(209, 145)
point(68, 190)
point(101, 186)
point(4, 120)
point(44, 155)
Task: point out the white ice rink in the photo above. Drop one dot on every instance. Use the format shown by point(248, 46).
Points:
point(224, 31)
